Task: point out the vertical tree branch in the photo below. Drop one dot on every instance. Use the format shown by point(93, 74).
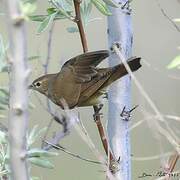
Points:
point(120, 32)
point(46, 66)
point(85, 49)
point(80, 25)
point(101, 131)
point(18, 115)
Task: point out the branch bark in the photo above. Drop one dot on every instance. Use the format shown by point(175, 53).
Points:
point(80, 25)
point(120, 32)
point(18, 114)
point(97, 117)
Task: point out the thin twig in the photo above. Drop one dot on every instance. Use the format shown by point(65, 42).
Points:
point(46, 66)
point(72, 154)
point(167, 17)
point(151, 158)
point(49, 49)
point(84, 135)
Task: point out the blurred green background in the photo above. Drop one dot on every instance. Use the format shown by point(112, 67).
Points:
point(156, 41)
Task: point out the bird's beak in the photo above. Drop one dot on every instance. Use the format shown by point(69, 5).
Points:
point(30, 86)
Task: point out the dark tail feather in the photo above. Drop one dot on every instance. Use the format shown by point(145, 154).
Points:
point(134, 63)
point(120, 70)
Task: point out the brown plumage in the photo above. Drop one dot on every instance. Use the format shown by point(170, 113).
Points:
point(80, 82)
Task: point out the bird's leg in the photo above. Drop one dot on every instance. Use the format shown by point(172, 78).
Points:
point(97, 109)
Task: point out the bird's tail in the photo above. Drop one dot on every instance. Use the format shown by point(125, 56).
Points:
point(120, 70)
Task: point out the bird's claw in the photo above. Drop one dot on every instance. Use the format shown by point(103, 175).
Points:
point(95, 115)
point(97, 110)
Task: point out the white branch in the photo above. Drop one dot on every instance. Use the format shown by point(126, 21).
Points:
point(18, 117)
point(120, 31)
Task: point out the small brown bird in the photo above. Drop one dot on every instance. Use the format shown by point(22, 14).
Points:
point(80, 82)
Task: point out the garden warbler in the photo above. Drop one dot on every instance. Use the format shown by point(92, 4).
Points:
point(80, 82)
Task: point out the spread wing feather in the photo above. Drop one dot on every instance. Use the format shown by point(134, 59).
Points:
point(88, 59)
point(74, 74)
point(84, 65)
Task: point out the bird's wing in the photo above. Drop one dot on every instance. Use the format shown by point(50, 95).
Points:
point(83, 66)
point(74, 74)
point(88, 59)
point(97, 83)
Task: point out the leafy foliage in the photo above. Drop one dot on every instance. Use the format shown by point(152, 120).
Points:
point(64, 9)
point(35, 156)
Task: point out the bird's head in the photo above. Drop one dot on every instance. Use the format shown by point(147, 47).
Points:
point(42, 84)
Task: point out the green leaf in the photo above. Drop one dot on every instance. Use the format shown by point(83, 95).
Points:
point(63, 7)
point(41, 162)
point(35, 178)
point(5, 68)
point(40, 153)
point(4, 101)
point(4, 91)
point(27, 8)
point(111, 3)
point(72, 29)
point(2, 54)
point(35, 134)
point(174, 63)
point(46, 22)
point(38, 18)
point(102, 7)
point(3, 138)
point(1, 115)
point(31, 105)
point(86, 7)
point(33, 57)
point(2, 108)
point(176, 20)
point(51, 10)
point(64, 4)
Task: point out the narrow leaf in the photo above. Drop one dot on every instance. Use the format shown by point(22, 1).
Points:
point(72, 29)
point(174, 63)
point(33, 57)
point(2, 53)
point(111, 3)
point(41, 162)
point(47, 21)
point(176, 20)
point(34, 134)
point(102, 7)
point(40, 153)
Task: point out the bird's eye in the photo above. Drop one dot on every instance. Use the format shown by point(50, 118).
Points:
point(38, 84)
